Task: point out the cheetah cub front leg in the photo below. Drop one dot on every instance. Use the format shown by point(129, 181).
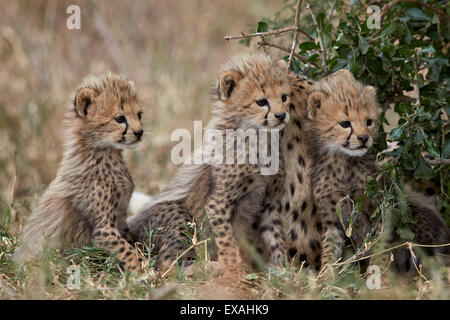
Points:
point(271, 231)
point(230, 184)
point(107, 234)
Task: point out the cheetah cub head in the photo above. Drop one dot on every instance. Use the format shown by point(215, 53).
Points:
point(252, 91)
point(343, 114)
point(107, 113)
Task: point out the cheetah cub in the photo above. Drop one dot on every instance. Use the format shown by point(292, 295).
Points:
point(252, 93)
point(89, 197)
point(342, 121)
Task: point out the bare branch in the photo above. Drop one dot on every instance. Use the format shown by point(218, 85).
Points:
point(268, 44)
point(297, 24)
point(323, 52)
point(260, 34)
point(12, 191)
point(436, 162)
point(294, 28)
point(416, 79)
point(444, 48)
point(306, 34)
point(396, 99)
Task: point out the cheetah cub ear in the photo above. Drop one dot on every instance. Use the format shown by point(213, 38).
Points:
point(344, 73)
point(281, 64)
point(83, 99)
point(227, 83)
point(370, 92)
point(314, 103)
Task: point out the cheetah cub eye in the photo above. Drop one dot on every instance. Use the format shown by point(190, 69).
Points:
point(345, 124)
point(120, 119)
point(262, 102)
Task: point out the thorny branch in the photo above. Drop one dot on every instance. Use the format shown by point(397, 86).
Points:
point(260, 34)
point(297, 24)
point(269, 44)
point(323, 52)
point(294, 28)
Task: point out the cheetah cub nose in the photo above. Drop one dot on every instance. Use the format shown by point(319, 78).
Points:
point(363, 138)
point(280, 116)
point(138, 133)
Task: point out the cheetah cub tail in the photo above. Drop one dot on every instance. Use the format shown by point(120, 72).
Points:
point(138, 201)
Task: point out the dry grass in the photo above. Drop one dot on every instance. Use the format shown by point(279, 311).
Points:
point(172, 52)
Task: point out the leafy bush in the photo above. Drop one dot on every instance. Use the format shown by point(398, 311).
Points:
point(408, 49)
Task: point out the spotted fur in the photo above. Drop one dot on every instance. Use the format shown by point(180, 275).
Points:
point(89, 197)
point(342, 121)
point(289, 226)
point(252, 91)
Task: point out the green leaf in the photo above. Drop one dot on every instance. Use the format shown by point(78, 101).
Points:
point(375, 213)
point(262, 27)
point(372, 188)
point(251, 276)
point(327, 40)
point(398, 132)
point(417, 14)
point(429, 146)
point(428, 50)
point(387, 30)
point(354, 66)
point(363, 45)
point(423, 170)
point(320, 19)
point(307, 45)
point(446, 151)
point(405, 233)
point(343, 39)
point(406, 52)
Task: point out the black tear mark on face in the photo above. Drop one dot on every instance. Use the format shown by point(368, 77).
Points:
point(347, 143)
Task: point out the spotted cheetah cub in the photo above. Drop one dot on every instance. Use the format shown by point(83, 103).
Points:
point(342, 120)
point(89, 197)
point(252, 92)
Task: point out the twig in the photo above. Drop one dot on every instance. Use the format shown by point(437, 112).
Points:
point(438, 23)
point(181, 255)
point(402, 98)
point(323, 52)
point(297, 23)
point(411, 251)
point(441, 175)
point(260, 34)
point(397, 98)
point(12, 192)
point(269, 44)
point(416, 79)
point(294, 28)
point(439, 161)
point(393, 248)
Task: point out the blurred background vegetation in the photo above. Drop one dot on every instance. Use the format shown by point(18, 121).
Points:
point(171, 50)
